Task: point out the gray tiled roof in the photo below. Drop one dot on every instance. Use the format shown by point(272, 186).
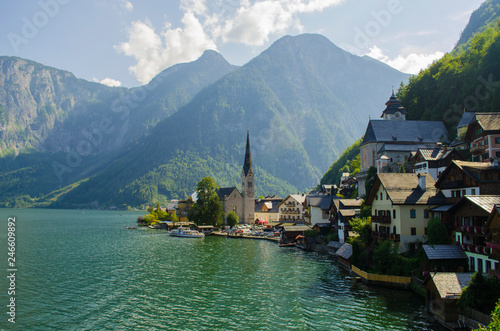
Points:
point(444, 252)
point(450, 284)
point(225, 191)
point(488, 121)
point(403, 189)
point(466, 119)
point(417, 132)
point(434, 154)
point(345, 251)
point(322, 202)
point(486, 202)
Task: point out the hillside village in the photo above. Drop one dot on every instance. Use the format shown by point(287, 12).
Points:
point(420, 175)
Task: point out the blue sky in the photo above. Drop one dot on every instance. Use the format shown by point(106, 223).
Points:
point(128, 42)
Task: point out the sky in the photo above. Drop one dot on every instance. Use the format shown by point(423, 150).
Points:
point(128, 42)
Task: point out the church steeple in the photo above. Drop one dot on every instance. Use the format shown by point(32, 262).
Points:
point(394, 109)
point(247, 165)
point(247, 186)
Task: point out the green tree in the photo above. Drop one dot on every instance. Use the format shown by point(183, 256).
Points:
point(495, 319)
point(232, 219)
point(370, 179)
point(436, 232)
point(363, 227)
point(208, 209)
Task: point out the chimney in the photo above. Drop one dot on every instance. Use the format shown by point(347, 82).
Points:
point(422, 182)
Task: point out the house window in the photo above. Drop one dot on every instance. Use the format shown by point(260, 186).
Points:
point(376, 197)
point(486, 142)
point(381, 196)
point(463, 193)
point(394, 213)
point(473, 191)
point(375, 212)
point(413, 213)
point(387, 196)
point(472, 265)
point(425, 230)
point(413, 231)
point(497, 140)
point(480, 265)
point(497, 154)
point(426, 213)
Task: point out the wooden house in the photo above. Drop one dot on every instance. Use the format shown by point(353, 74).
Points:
point(443, 290)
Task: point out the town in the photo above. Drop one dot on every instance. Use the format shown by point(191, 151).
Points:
point(429, 205)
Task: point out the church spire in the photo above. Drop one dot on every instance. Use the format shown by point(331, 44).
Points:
point(247, 165)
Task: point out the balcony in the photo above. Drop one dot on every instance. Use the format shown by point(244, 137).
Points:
point(483, 250)
point(381, 219)
point(452, 184)
point(474, 230)
point(386, 236)
point(477, 150)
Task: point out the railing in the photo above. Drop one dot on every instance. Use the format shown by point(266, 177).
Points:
point(478, 150)
point(483, 250)
point(474, 230)
point(386, 236)
point(381, 219)
point(452, 184)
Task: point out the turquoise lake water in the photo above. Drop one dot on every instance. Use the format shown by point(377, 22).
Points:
point(83, 270)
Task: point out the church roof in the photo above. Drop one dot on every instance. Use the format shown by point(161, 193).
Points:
point(394, 105)
point(415, 132)
point(247, 165)
point(225, 191)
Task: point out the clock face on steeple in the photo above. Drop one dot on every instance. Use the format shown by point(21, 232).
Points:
point(397, 114)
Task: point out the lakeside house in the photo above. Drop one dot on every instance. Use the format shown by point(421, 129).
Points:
point(444, 258)
point(471, 215)
point(443, 290)
point(292, 209)
point(318, 209)
point(483, 135)
point(434, 161)
point(266, 210)
point(463, 178)
point(391, 141)
point(341, 212)
point(401, 206)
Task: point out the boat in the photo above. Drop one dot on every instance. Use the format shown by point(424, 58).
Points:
point(187, 233)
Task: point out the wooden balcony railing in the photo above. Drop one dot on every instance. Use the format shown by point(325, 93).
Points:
point(381, 219)
point(386, 236)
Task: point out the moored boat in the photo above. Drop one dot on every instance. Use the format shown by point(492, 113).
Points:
point(187, 233)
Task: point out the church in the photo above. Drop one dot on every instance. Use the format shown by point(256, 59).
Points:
point(389, 142)
point(242, 203)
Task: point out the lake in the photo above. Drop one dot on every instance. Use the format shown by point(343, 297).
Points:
point(83, 270)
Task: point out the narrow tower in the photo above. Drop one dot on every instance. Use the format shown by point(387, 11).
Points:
point(247, 186)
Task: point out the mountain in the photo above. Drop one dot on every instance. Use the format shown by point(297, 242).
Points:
point(57, 129)
point(303, 99)
point(465, 79)
point(480, 19)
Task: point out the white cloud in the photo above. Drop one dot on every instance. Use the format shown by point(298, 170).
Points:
point(157, 51)
point(127, 5)
point(254, 23)
point(108, 82)
point(202, 27)
point(410, 64)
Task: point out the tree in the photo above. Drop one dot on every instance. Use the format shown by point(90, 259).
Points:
point(436, 232)
point(232, 219)
point(363, 227)
point(207, 210)
point(370, 179)
point(495, 319)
